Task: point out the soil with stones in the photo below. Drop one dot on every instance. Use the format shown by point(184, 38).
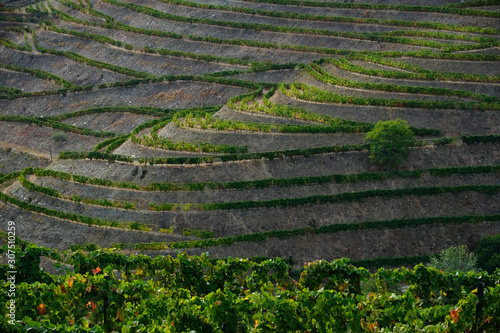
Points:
point(450, 122)
point(140, 20)
point(116, 122)
point(236, 222)
point(61, 234)
point(315, 165)
point(246, 53)
point(260, 141)
point(370, 13)
point(492, 89)
point(373, 93)
point(130, 148)
point(173, 95)
point(142, 199)
point(150, 63)
point(455, 66)
point(357, 245)
point(72, 71)
point(44, 139)
point(12, 160)
point(25, 82)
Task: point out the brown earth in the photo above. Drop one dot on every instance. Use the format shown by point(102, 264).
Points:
point(178, 94)
point(149, 63)
point(315, 165)
point(65, 68)
point(450, 122)
point(12, 160)
point(25, 82)
point(117, 122)
point(143, 198)
point(39, 139)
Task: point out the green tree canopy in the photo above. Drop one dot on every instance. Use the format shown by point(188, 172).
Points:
point(389, 142)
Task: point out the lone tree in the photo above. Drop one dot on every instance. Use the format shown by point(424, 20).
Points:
point(390, 142)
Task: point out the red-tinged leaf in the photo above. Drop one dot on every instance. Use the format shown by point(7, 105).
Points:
point(120, 314)
point(454, 315)
point(92, 305)
point(41, 309)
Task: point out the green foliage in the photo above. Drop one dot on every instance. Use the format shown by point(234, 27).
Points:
point(472, 139)
point(303, 16)
point(287, 29)
point(390, 142)
point(455, 259)
point(58, 137)
point(263, 183)
point(201, 294)
point(323, 199)
point(412, 72)
point(51, 122)
point(326, 229)
point(198, 233)
point(356, 5)
point(318, 72)
point(488, 253)
point(311, 93)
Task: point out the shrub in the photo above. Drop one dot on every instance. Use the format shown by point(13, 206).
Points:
point(455, 259)
point(488, 253)
point(59, 137)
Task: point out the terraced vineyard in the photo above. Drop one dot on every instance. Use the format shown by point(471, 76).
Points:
point(236, 127)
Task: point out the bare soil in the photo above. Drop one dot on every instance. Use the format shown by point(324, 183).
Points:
point(357, 245)
point(38, 139)
point(240, 3)
point(149, 63)
point(372, 65)
point(335, 71)
point(490, 8)
point(450, 122)
point(12, 160)
point(231, 51)
point(144, 21)
point(130, 148)
point(260, 141)
point(60, 234)
point(117, 122)
point(456, 66)
point(76, 13)
point(143, 198)
point(175, 95)
point(65, 68)
point(231, 114)
point(492, 50)
point(364, 13)
point(286, 76)
point(25, 82)
point(316, 165)
point(237, 222)
point(14, 36)
point(492, 89)
point(228, 16)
